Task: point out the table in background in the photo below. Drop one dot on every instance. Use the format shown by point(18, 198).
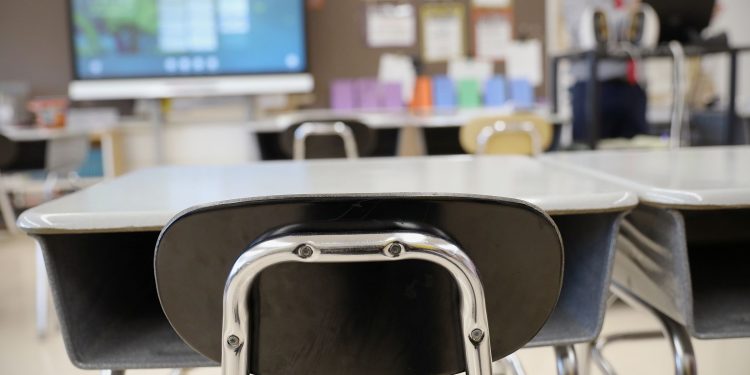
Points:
point(409, 124)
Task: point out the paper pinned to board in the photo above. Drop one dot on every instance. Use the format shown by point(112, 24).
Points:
point(470, 69)
point(492, 3)
point(524, 61)
point(399, 69)
point(493, 33)
point(391, 25)
point(442, 26)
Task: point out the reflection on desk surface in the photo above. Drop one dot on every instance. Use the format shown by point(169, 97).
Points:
point(148, 198)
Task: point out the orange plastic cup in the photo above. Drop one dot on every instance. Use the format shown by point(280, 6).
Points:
point(422, 93)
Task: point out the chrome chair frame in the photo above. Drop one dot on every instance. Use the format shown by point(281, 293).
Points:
point(675, 333)
point(351, 248)
point(337, 128)
point(503, 127)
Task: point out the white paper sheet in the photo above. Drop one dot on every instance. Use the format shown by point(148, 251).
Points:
point(493, 33)
point(493, 3)
point(443, 35)
point(463, 69)
point(391, 25)
point(398, 68)
point(524, 60)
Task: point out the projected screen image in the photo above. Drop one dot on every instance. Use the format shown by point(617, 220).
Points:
point(165, 38)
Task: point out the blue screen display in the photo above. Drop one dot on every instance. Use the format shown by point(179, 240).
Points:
point(165, 38)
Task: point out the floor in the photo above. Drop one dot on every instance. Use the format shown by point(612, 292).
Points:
point(21, 352)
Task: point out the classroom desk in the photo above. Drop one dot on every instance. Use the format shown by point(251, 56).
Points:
point(104, 135)
point(384, 118)
point(99, 243)
point(410, 124)
point(683, 250)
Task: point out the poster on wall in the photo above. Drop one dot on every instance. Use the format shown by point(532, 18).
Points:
point(390, 25)
point(524, 61)
point(492, 3)
point(443, 31)
point(493, 33)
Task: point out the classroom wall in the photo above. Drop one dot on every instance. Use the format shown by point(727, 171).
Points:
point(338, 48)
point(732, 18)
point(34, 44)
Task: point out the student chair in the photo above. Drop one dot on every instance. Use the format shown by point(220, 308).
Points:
point(359, 284)
point(328, 139)
point(514, 134)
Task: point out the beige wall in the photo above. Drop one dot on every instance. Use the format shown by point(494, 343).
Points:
point(34, 45)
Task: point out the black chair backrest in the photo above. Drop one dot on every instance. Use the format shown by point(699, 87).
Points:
point(330, 146)
point(8, 152)
point(360, 318)
point(23, 155)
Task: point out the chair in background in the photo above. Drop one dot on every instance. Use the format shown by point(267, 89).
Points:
point(526, 134)
point(328, 139)
point(61, 156)
point(359, 284)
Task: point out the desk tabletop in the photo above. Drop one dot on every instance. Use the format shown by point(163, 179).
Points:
point(392, 118)
point(693, 178)
point(147, 199)
point(34, 133)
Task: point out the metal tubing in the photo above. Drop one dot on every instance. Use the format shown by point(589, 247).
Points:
point(566, 360)
point(324, 128)
point(554, 85)
point(592, 98)
point(596, 348)
point(350, 248)
point(676, 334)
point(512, 364)
point(41, 291)
point(732, 105)
point(679, 84)
point(6, 207)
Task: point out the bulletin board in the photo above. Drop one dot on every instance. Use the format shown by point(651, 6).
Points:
point(338, 49)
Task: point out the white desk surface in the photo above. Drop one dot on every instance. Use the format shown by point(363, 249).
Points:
point(148, 198)
point(31, 133)
point(390, 118)
point(700, 177)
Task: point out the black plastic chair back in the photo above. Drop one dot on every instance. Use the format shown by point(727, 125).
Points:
point(360, 318)
point(330, 146)
point(22, 156)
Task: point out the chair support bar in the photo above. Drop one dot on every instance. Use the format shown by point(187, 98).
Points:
point(351, 248)
point(683, 354)
point(324, 128)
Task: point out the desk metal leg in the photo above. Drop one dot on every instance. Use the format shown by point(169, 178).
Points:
point(511, 365)
point(9, 216)
point(566, 361)
point(42, 308)
point(732, 105)
point(592, 101)
point(677, 335)
point(112, 372)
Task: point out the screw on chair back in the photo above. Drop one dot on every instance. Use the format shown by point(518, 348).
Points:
point(527, 134)
point(328, 139)
point(358, 283)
